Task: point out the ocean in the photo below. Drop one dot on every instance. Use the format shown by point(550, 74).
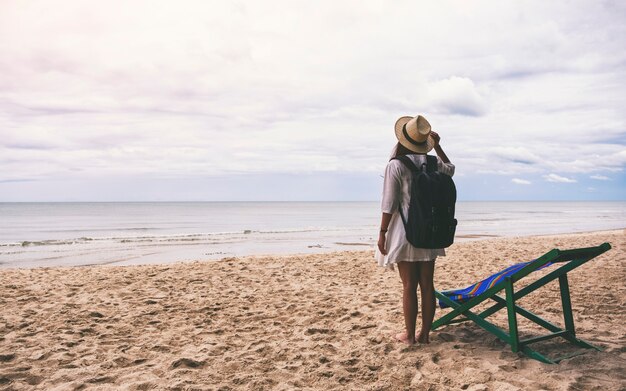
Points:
point(81, 234)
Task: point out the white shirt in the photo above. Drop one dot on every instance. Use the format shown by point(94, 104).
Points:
point(396, 192)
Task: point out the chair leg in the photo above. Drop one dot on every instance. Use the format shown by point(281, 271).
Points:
point(567, 305)
point(512, 315)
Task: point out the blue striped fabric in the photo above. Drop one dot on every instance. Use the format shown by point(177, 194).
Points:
point(463, 295)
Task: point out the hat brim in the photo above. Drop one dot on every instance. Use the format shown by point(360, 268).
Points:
point(422, 148)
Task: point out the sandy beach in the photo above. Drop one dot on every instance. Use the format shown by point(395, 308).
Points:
point(318, 322)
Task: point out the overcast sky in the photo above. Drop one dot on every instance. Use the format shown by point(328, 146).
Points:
point(296, 100)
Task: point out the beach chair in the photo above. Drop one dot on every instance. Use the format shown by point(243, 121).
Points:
point(463, 301)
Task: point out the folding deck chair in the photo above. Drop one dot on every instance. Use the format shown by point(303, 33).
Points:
point(462, 301)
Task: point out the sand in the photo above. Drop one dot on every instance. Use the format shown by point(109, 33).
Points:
point(317, 322)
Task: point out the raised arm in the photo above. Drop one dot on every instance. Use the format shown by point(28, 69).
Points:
point(442, 155)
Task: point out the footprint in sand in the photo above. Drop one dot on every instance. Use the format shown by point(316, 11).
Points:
point(446, 337)
point(187, 363)
point(313, 330)
point(7, 357)
point(349, 363)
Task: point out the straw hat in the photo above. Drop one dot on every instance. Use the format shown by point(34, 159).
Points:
point(414, 134)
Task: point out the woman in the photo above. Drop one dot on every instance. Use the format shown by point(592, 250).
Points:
point(416, 265)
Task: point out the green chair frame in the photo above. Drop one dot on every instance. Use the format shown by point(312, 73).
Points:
point(570, 259)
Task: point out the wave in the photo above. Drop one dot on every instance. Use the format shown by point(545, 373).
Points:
point(132, 229)
point(193, 237)
point(49, 242)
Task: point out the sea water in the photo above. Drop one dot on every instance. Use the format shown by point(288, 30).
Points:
point(72, 234)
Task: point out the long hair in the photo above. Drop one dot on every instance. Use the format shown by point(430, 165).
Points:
point(401, 150)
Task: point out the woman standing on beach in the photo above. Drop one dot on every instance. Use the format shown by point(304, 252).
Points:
point(416, 265)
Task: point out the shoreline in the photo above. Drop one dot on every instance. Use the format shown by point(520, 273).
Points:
point(143, 233)
point(358, 249)
point(307, 321)
point(310, 250)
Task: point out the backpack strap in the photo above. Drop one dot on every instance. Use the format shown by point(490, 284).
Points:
point(431, 163)
point(408, 163)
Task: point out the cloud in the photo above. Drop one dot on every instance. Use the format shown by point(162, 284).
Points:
point(223, 88)
point(518, 181)
point(558, 179)
point(600, 177)
point(515, 155)
point(16, 180)
point(456, 95)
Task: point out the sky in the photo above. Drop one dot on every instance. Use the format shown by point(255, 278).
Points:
point(296, 100)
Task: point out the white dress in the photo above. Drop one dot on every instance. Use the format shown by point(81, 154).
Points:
point(396, 192)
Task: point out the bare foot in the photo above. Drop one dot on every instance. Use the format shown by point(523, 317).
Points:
point(403, 337)
point(419, 338)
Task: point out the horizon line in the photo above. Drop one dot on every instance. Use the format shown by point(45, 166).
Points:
point(277, 201)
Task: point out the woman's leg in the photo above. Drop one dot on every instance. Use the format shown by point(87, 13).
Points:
point(427, 289)
point(409, 273)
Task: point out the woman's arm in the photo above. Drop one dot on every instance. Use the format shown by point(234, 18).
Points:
point(442, 155)
point(382, 236)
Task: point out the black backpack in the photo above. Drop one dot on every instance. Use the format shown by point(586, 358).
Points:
point(431, 222)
